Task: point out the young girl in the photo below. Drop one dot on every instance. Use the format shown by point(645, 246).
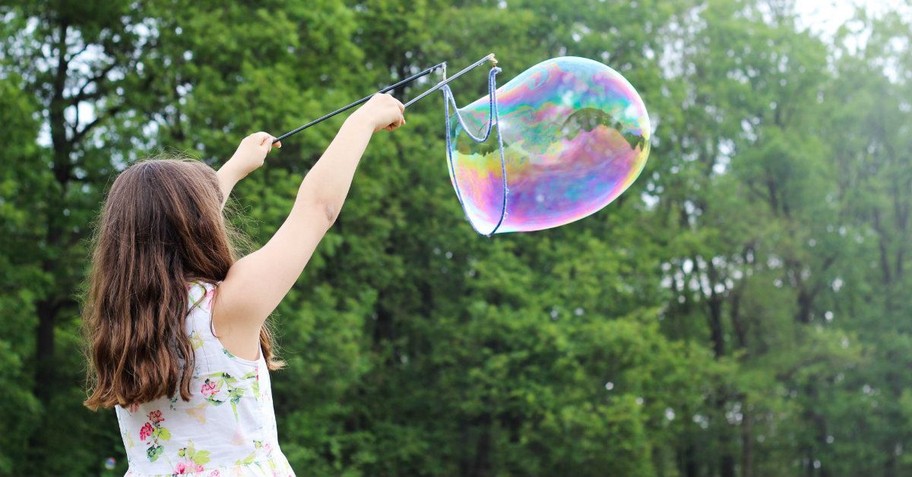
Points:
point(176, 326)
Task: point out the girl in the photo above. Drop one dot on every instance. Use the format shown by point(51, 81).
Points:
point(176, 326)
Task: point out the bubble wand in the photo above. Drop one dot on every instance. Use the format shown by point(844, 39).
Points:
point(446, 81)
point(389, 88)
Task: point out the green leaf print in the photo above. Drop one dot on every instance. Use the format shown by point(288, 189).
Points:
point(201, 457)
point(198, 457)
point(154, 452)
point(235, 396)
point(162, 434)
point(195, 340)
point(255, 387)
point(246, 460)
point(257, 444)
point(219, 388)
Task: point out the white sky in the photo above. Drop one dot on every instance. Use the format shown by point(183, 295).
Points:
point(825, 16)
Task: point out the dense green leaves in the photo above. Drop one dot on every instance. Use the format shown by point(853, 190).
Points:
point(740, 311)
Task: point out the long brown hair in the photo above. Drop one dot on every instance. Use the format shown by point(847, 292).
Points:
point(161, 228)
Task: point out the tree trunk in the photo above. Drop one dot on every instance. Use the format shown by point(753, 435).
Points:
point(726, 456)
point(717, 334)
point(44, 351)
point(482, 465)
point(891, 464)
point(727, 465)
point(690, 461)
point(48, 307)
point(747, 443)
point(477, 463)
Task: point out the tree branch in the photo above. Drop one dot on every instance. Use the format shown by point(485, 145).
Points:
point(98, 120)
point(81, 95)
point(85, 47)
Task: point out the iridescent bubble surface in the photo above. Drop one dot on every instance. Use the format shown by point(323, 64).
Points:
point(575, 135)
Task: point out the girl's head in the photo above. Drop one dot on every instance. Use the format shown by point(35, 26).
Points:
point(160, 229)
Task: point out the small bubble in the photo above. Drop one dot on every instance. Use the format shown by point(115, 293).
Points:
point(609, 385)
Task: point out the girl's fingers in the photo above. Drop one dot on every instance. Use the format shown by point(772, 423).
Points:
point(396, 124)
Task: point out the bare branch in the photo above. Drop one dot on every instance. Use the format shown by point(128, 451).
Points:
point(98, 120)
point(81, 95)
point(85, 47)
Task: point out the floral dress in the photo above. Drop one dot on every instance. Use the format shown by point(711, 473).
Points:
point(228, 427)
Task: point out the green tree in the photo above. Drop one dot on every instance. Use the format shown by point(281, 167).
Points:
point(738, 312)
point(20, 184)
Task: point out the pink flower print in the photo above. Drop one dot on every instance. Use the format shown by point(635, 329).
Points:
point(181, 468)
point(191, 460)
point(156, 417)
point(145, 432)
point(188, 468)
point(209, 388)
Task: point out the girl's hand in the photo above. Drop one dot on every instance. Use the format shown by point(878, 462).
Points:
point(251, 153)
point(249, 156)
point(382, 111)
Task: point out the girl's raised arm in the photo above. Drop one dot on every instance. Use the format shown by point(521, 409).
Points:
point(257, 283)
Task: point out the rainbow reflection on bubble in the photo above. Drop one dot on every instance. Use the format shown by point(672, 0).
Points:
point(575, 136)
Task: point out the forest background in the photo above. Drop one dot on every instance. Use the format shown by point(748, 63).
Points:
point(740, 311)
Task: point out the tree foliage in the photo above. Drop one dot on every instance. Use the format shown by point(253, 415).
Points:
point(738, 312)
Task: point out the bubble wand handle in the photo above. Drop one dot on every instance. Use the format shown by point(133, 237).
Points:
point(360, 101)
point(445, 81)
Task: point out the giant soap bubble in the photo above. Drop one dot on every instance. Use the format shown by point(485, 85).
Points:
point(574, 135)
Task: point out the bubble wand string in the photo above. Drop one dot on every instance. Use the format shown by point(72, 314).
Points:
point(389, 88)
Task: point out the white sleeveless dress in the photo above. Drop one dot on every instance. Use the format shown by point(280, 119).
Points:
point(228, 427)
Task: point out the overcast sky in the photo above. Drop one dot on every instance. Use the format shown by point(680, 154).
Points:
point(825, 16)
